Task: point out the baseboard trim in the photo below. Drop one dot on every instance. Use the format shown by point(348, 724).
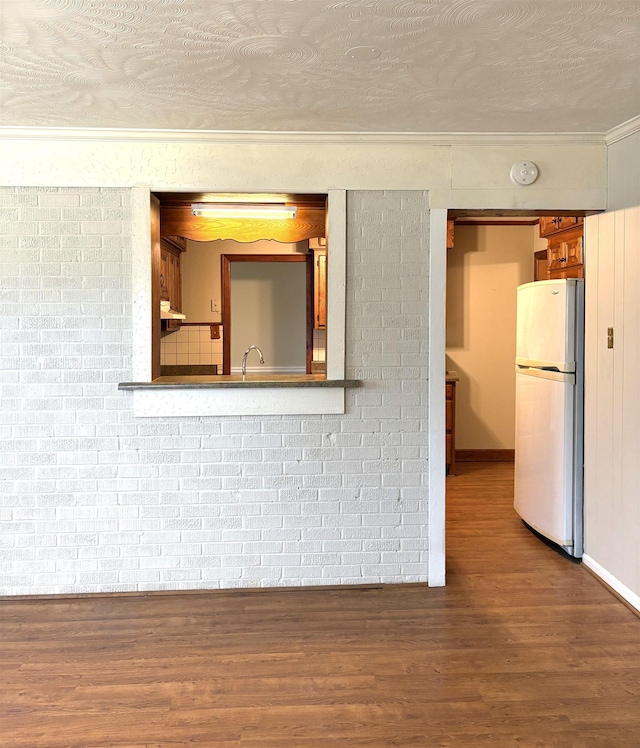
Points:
point(485, 455)
point(234, 591)
point(614, 585)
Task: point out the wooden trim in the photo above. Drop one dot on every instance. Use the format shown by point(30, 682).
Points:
point(541, 265)
point(174, 243)
point(178, 220)
point(233, 591)
point(310, 311)
point(225, 261)
point(485, 455)
point(299, 257)
point(225, 281)
point(201, 324)
point(489, 222)
point(188, 370)
point(155, 286)
point(517, 213)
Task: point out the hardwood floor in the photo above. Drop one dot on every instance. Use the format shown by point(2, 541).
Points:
point(522, 648)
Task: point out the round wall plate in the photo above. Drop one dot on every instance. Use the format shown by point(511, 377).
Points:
point(524, 172)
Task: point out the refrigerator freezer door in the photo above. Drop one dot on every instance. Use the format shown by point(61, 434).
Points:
point(545, 324)
point(544, 476)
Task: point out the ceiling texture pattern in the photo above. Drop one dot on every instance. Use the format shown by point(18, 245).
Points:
point(285, 65)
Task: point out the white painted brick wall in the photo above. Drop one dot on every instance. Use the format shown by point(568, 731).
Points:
point(93, 500)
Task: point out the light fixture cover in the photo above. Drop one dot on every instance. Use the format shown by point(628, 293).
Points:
point(524, 172)
point(277, 211)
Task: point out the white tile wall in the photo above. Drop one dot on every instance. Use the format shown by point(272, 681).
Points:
point(319, 345)
point(93, 500)
point(191, 345)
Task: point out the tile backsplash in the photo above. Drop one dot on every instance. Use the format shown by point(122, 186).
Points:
point(191, 344)
point(319, 345)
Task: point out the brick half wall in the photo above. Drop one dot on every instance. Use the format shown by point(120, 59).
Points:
point(93, 500)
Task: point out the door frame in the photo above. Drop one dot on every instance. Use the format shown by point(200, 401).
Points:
point(436, 351)
point(225, 265)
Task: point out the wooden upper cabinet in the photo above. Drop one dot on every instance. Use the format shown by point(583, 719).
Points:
point(550, 225)
point(170, 271)
point(565, 254)
point(565, 248)
point(164, 274)
point(177, 242)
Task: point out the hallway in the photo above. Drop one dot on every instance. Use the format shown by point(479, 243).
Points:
point(522, 648)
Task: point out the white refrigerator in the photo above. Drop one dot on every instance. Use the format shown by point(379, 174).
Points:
point(549, 442)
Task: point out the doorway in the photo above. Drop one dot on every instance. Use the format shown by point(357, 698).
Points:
point(440, 221)
point(267, 300)
point(488, 259)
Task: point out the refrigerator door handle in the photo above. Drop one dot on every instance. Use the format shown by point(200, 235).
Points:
point(556, 376)
point(538, 364)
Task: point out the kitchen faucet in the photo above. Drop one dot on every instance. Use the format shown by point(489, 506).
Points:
point(244, 359)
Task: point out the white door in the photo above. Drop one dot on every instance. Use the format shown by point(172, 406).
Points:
point(544, 453)
point(545, 324)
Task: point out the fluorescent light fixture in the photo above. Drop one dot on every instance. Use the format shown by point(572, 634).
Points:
point(277, 211)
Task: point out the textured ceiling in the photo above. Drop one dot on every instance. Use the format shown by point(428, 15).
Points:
point(283, 65)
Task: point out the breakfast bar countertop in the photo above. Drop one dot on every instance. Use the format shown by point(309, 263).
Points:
point(236, 381)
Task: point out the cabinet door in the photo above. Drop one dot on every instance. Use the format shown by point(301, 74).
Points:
point(320, 290)
point(573, 250)
point(164, 275)
point(568, 222)
point(170, 276)
point(565, 250)
point(548, 225)
point(555, 254)
point(175, 285)
point(552, 224)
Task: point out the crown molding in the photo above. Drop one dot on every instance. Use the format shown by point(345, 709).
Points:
point(630, 127)
point(249, 137)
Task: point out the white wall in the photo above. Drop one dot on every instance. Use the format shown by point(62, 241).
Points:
point(612, 404)
point(484, 269)
point(95, 500)
point(623, 158)
point(459, 171)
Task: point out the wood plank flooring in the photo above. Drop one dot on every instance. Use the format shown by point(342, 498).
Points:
point(522, 648)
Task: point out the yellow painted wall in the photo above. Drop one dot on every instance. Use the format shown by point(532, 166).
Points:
point(483, 271)
point(201, 272)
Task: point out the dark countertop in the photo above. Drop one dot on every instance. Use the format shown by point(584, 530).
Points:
point(235, 381)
